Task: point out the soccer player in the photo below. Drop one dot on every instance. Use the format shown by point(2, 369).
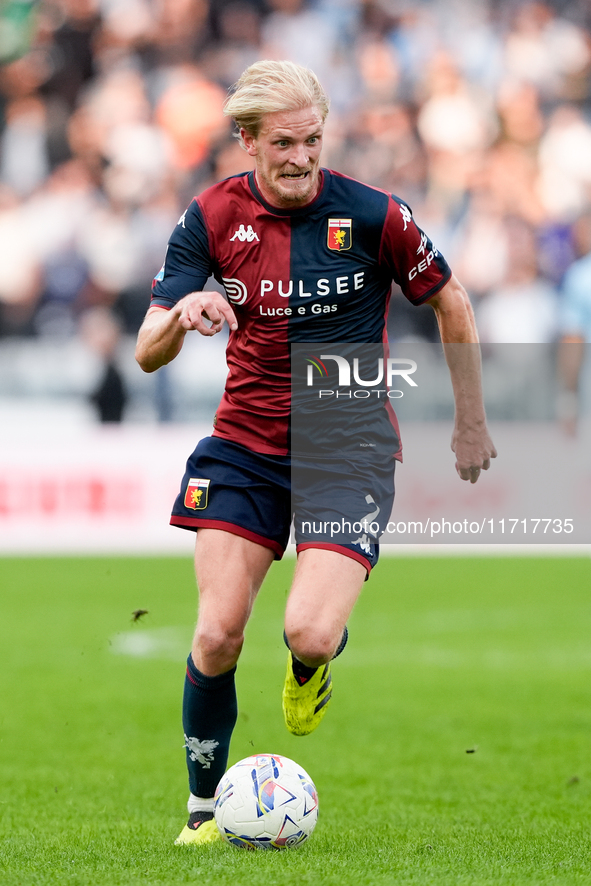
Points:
point(304, 255)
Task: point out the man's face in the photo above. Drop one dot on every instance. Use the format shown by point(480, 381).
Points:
point(287, 156)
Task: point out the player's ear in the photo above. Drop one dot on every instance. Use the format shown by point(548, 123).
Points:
point(249, 142)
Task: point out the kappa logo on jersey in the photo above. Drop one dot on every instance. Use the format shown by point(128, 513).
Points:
point(406, 214)
point(243, 234)
point(235, 290)
point(181, 220)
point(339, 234)
point(197, 494)
point(422, 244)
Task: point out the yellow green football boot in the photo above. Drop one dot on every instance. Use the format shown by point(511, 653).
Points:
point(198, 831)
point(304, 705)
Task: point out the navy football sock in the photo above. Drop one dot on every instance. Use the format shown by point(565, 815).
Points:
point(209, 716)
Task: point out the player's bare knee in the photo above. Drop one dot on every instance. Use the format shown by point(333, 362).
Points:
point(218, 645)
point(313, 648)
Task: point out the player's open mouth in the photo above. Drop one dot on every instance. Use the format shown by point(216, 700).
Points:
point(295, 176)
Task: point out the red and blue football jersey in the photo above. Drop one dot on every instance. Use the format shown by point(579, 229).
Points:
point(319, 273)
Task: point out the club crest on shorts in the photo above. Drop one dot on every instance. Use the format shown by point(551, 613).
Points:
point(197, 494)
point(339, 234)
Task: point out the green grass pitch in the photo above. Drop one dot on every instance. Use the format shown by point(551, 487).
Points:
point(457, 749)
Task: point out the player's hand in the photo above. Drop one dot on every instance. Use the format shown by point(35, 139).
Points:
point(198, 307)
point(474, 449)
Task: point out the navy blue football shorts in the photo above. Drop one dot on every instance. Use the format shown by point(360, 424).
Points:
point(336, 504)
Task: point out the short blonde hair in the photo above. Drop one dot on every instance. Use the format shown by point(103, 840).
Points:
point(269, 86)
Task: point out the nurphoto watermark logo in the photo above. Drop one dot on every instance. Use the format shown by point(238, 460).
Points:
point(385, 372)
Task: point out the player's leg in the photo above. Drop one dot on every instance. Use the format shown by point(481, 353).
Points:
point(229, 570)
point(238, 501)
point(325, 588)
point(341, 507)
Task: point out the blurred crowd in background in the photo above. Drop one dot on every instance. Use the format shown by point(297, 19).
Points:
point(475, 112)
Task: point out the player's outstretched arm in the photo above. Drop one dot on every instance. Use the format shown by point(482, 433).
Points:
point(162, 333)
point(471, 440)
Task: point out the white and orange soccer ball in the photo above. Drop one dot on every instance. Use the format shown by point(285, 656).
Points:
point(266, 802)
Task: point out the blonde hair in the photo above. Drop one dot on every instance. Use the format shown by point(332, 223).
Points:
point(269, 86)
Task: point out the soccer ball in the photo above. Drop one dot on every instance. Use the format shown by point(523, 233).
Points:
point(266, 802)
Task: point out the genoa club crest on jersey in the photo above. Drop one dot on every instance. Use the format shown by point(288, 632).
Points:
point(197, 494)
point(339, 233)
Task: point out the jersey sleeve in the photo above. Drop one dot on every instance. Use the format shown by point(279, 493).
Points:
point(409, 256)
point(187, 263)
